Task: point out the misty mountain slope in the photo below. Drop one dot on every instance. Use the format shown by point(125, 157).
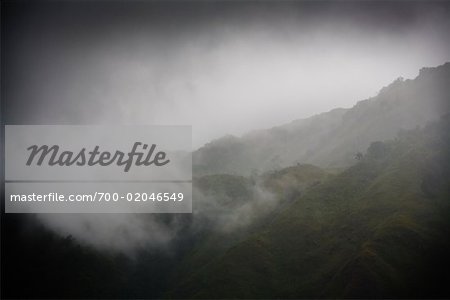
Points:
point(241, 206)
point(379, 229)
point(331, 139)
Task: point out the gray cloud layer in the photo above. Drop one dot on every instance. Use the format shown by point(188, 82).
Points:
point(226, 67)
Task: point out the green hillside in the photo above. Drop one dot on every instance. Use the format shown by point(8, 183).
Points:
point(379, 229)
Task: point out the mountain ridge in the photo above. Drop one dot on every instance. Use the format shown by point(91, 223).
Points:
point(332, 138)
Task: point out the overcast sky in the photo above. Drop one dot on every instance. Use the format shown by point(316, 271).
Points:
point(224, 68)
